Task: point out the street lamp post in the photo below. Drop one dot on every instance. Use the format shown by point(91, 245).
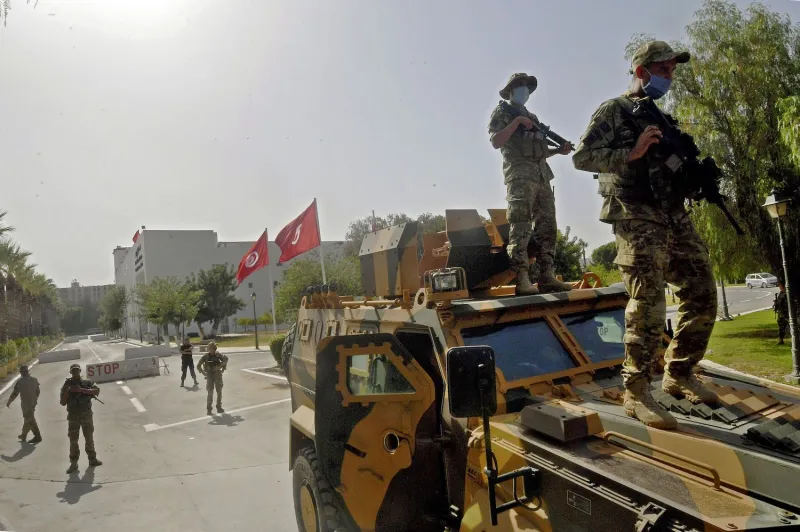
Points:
point(777, 209)
point(255, 320)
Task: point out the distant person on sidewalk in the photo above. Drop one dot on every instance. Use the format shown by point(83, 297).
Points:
point(212, 365)
point(186, 360)
point(27, 388)
point(781, 308)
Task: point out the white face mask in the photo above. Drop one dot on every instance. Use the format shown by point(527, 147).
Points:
point(520, 95)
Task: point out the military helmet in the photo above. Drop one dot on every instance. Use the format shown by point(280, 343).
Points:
point(212, 344)
point(517, 80)
point(655, 52)
point(23, 368)
point(74, 366)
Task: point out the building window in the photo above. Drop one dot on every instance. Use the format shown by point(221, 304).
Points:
point(249, 285)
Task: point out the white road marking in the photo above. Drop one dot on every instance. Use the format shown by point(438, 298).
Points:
point(746, 301)
point(95, 354)
point(155, 426)
point(119, 382)
point(10, 384)
point(261, 374)
point(138, 405)
point(127, 390)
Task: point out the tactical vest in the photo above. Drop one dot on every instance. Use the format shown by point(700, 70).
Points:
point(214, 362)
point(78, 402)
point(524, 144)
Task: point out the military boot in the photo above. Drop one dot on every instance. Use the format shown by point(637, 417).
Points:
point(220, 409)
point(73, 466)
point(687, 386)
point(181, 383)
point(22, 437)
point(548, 282)
point(640, 404)
point(209, 412)
point(524, 285)
point(37, 437)
point(94, 462)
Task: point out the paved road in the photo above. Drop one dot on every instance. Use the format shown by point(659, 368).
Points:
point(740, 299)
point(166, 466)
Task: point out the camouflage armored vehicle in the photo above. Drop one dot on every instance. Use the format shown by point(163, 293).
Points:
point(439, 400)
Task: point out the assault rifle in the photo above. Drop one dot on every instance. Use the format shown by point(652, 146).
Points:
point(552, 138)
point(69, 380)
point(699, 179)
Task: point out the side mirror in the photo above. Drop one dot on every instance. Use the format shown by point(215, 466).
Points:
point(471, 381)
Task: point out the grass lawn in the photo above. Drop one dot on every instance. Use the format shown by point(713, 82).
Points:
point(749, 343)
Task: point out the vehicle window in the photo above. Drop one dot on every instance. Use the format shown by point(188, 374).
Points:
point(522, 349)
point(763, 275)
point(599, 333)
point(375, 375)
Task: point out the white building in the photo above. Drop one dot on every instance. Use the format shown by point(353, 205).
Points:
point(166, 253)
point(77, 294)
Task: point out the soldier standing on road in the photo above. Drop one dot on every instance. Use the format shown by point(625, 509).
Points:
point(212, 365)
point(781, 308)
point(76, 395)
point(27, 388)
point(656, 241)
point(186, 360)
point(531, 204)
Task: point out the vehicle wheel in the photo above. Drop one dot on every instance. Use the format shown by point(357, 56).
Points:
point(763, 285)
point(749, 286)
point(315, 505)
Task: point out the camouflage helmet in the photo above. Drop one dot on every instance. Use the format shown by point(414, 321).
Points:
point(655, 52)
point(212, 345)
point(518, 80)
point(74, 366)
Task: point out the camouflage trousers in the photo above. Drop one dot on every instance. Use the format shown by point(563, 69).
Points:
point(531, 214)
point(648, 255)
point(783, 325)
point(29, 421)
point(75, 423)
point(213, 380)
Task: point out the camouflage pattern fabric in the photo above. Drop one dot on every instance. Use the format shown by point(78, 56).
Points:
point(27, 388)
point(525, 154)
point(78, 403)
point(75, 423)
point(213, 380)
point(531, 212)
point(648, 254)
point(641, 190)
point(29, 421)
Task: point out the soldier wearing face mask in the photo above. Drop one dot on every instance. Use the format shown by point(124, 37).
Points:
point(531, 205)
point(656, 241)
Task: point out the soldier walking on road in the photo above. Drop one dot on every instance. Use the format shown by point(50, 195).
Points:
point(781, 308)
point(186, 360)
point(531, 204)
point(212, 365)
point(27, 388)
point(76, 395)
point(656, 242)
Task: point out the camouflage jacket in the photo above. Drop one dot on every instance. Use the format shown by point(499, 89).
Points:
point(78, 403)
point(525, 153)
point(28, 390)
point(781, 306)
point(212, 363)
point(639, 190)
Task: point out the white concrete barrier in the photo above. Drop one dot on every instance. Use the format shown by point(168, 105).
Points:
point(98, 338)
point(71, 339)
point(123, 369)
point(150, 351)
point(58, 356)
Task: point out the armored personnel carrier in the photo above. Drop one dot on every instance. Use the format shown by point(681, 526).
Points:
point(439, 400)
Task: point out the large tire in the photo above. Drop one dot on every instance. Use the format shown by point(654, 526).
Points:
point(315, 502)
point(763, 285)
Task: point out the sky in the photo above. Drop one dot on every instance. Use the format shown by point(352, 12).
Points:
point(233, 116)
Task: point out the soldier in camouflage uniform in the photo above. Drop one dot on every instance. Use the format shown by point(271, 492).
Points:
point(656, 241)
point(76, 395)
point(212, 365)
point(531, 205)
point(27, 388)
point(781, 308)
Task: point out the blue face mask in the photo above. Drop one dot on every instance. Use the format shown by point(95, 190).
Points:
point(520, 95)
point(657, 86)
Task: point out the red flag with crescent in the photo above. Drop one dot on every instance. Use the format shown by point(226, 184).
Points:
point(256, 258)
point(301, 235)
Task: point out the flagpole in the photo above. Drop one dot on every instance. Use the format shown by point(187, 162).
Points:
point(321, 251)
point(271, 289)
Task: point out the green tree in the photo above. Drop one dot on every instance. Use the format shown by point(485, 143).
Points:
point(736, 98)
point(569, 252)
point(604, 256)
point(217, 301)
point(113, 308)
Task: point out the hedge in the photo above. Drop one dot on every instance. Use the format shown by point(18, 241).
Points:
point(276, 348)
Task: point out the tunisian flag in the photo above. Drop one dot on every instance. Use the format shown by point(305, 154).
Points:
point(256, 258)
point(301, 235)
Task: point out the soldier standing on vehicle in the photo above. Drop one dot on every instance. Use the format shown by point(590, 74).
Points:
point(186, 360)
point(212, 365)
point(76, 395)
point(781, 308)
point(531, 204)
point(656, 241)
point(27, 388)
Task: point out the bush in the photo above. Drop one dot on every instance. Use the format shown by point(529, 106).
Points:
point(35, 345)
point(11, 350)
point(3, 354)
point(276, 348)
point(24, 347)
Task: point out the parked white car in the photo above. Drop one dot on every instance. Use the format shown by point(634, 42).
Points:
point(761, 280)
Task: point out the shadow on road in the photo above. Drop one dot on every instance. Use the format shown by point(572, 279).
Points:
point(76, 487)
point(24, 450)
point(226, 420)
point(193, 388)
